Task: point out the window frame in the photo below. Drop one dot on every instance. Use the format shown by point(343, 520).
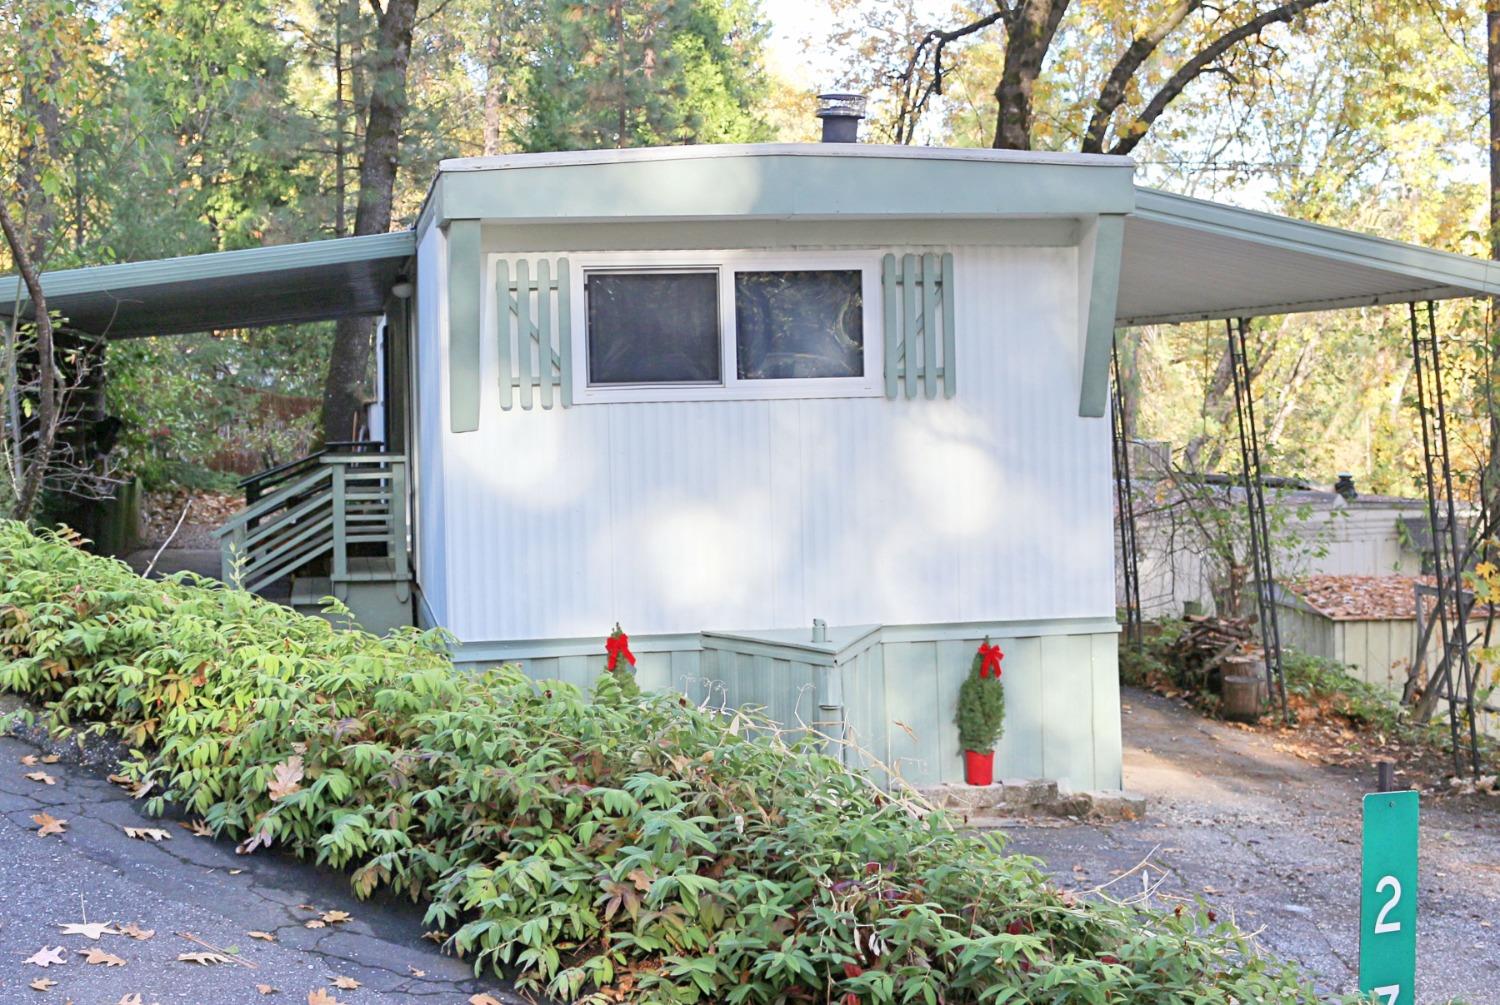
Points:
point(730, 386)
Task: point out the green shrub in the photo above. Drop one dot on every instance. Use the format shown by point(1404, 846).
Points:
point(630, 844)
point(981, 706)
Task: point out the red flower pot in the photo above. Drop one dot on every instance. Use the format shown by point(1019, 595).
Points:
point(979, 768)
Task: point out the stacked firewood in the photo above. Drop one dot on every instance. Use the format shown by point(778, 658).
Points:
point(1199, 652)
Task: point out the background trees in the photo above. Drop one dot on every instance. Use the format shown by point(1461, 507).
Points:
point(141, 128)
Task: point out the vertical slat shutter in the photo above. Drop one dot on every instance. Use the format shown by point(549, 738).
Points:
point(919, 332)
point(535, 341)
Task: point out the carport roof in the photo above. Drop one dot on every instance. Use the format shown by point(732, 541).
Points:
point(1182, 259)
point(1187, 259)
point(281, 284)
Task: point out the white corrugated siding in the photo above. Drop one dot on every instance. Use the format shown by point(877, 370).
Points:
point(431, 408)
point(677, 517)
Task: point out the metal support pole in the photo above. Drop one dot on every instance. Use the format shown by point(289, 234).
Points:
point(1255, 505)
point(1125, 503)
point(1454, 677)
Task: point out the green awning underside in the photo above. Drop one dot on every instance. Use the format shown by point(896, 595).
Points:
point(285, 284)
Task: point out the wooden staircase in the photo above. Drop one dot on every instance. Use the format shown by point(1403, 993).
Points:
point(335, 522)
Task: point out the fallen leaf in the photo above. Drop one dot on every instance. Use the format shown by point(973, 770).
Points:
point(320, 996)
point(49, 824)
point(435, 936)
point(286, 778)
point(345, 983)
point(41, 776)
point(90, 930)
point(235, 872)
point(336, 917)
point(29, 760)
point(121, 780)
point(260, 839)
point(262, 936)
point(51, 758)
point(45, 957)
point(43, 984)
point(265, 989)
point(484, 1000)
point(137, 932)
point(415, 972)
point(315, 923)
point(197, 827)
point(204, 958)
point(148, 833)
point(99, 957)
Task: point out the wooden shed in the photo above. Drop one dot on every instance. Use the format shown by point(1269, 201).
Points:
point(1367, 623)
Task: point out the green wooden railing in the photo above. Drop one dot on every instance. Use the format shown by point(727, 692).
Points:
point(346, 510)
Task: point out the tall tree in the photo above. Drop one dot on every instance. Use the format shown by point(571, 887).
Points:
point(627, 73)
point(390, 57)
point(1158, 51)
point(1491, 493)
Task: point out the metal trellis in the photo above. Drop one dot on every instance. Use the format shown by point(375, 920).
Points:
point(1454, 678)
point(1124, 503)
point(1255, 502)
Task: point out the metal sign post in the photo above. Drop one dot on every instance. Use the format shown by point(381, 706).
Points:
point(1388, 897)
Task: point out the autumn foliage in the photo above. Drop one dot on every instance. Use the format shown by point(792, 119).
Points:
point(603, 849)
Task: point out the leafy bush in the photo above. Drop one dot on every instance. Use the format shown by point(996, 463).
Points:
point(631, 849)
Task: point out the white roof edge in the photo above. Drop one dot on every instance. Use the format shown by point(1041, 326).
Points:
point(708, 151)
point(1429, 268)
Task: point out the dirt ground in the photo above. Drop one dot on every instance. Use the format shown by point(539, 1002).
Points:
point(1273, 841)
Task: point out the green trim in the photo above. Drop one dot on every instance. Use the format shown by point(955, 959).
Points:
point(892, 321)
point(545, 356)
point(778, 182)
point(1099, 254)
point(917, 326)
point(522, 303)
point(950, 362)
point(527, 649)
point(565, 329)
point(930, 332)
point(502, 311)
point(910, 356)
point(464, 278)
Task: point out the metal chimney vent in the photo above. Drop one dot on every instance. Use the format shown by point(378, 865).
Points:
point(841, 114)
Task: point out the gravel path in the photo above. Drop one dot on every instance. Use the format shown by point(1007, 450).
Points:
point(1274, 842)
point(95, 872)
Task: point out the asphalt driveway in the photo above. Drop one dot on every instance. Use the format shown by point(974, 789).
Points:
point(183, 886)
point(1272, 840)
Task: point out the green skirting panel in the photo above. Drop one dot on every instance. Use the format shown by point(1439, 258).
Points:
point(896, 692)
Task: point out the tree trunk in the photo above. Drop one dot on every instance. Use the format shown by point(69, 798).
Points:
point(1491, 481)
point(348, 366)
point(36, 156)
point(33, 468)
point(1028, 36)
point(494, 83)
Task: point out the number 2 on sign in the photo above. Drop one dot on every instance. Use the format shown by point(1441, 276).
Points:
point(1381, 925)
point(1387, 994)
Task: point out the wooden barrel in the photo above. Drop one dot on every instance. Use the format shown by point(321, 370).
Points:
point(1243, 697)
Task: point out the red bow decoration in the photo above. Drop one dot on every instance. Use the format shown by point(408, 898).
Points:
point(617, 645)
point(989, 659)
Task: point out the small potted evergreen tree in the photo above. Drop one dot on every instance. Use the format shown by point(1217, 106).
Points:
point(981, 714)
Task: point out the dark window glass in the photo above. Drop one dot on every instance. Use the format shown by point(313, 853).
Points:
point(799, 324)
point(653, 327)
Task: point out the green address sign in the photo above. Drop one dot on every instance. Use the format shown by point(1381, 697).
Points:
point(1388, 899)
